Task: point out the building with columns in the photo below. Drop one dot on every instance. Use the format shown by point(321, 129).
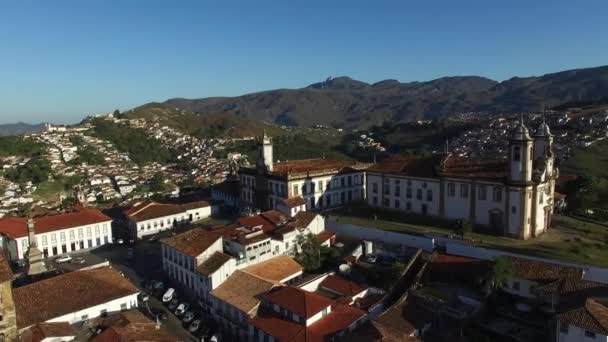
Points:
point(80, 229)
point(511, 197)
point(322, 183)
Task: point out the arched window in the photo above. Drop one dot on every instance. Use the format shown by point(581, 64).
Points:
point(516, 153)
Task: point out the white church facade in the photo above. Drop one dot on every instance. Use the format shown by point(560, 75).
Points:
point(511, 197)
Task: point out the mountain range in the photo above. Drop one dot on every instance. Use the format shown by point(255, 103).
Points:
point(349, 103)
point(20, 128)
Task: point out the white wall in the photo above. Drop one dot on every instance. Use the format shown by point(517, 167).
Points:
point(57, 238)
point(457, 206)
point(374, 234)
point(576, 334)
point(423, 184)
point(95, 311)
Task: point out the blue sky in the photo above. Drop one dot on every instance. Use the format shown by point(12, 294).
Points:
point(61, 60)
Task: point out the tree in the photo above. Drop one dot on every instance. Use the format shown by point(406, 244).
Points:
point(579, 188)
point(498, 274)
point(461, 227)
point(68, 202)
point(158, 183)
point(308, 252)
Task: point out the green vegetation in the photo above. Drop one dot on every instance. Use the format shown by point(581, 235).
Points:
point(141, 148)
point(312, 255)
point(499, 273)
point(568, 239)
point(49, 190)
point(87, 154)
point(20, 146)
point(591, 163)
point(36, 170)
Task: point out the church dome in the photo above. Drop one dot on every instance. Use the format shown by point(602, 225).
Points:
point(520, 133)
point(543, 130)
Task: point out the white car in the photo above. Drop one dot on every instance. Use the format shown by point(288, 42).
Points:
point(181, 309)
point(195, 325)
point(120, 241)
point(62, 259)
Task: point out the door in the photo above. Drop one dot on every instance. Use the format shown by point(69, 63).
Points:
point(496, 219)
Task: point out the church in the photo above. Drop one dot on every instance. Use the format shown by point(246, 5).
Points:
point(320, 183)
point(510, 196)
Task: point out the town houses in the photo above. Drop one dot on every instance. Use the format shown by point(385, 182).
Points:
point(511, 197)
point(322, 183)
point(76, 230)
point(202, 259)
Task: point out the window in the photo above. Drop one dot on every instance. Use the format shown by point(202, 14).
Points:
point(44, 240)
point(123, 306)
point(80, 232)
point(429, 195)
point(375, 188)
point(516, 153)
point(103, 313)
point(540, 198)
point(589, 334)
point(563, 328)
point(497, 194)
point(513, 210)
point(375, 200)
point(397, 204)
point(482, 193)
point(397, 188)
point(516, 285)
point(320, 185)
point(419, 194)
point(62, 236)
point(408, 205)
point(295, 189)
point(84, 317)
point(464, 190)
point(89, 230)
point(72, 234)
point(451, 189)
point(408, 192)
point(53, 238)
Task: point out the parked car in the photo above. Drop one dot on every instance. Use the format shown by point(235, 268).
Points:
point(173, 304)
point(195, 325)
point(144, 297)
point(63, 259)
point(168, 295)
point(181, 309)
point(162, 316)
point(188, 317)
point(371, 258)
point(154, 238)
point(120, 241)
point(78, 260)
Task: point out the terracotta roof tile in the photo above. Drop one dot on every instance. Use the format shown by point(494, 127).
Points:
point(132, 326)
point(150, 210)
point(67, 293)
point(192, 242)
point(242, 290)
point(592, 316)
point(275, 269)
point(213, 263)
point(293, 202)
point(342, 286)
point(42, 331)
point(16, 227)
point(302, 303)
point(542, 271)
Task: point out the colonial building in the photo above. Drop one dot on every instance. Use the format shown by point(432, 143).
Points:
point(322, 183)
point(149, 217)
point(511, 196)
point(73, 297)
point(81, 229)
point(202, 259)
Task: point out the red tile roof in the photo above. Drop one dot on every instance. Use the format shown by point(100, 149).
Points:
point(303, 167)
point(213, 263)
point(275, 269)
point(293, 202)
point(16, 227)
point(592, 316)
point(284, 330)
point(192, 242)
point(132, 326)
point(325, 235)
point(342, 286)
point(70, 292)
point(42, 331)
point(302, 303)
point(437, 165)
